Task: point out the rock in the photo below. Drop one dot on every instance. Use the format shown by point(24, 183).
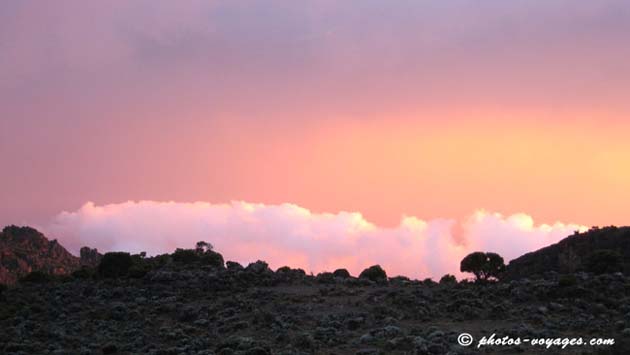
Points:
point(89, 257)
point(24, 249)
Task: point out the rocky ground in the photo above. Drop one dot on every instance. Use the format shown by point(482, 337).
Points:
point(203, 310)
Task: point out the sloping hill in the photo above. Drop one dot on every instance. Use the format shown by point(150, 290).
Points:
point(572, 253)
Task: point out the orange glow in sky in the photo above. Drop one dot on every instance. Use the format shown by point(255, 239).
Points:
point(428, 109)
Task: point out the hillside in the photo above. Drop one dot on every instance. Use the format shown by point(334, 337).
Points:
point(192, 302)
point(187, 307)
point(572, 253)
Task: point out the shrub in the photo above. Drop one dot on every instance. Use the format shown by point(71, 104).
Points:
point(203, 253)
point(568, 280)
point(429, 282)
point(448, 279)
point(185, 256)
point(604, 261)
point(3, 288)
point(257, 267)
point(233, 265)
point(283, 269)
point(212, 258)
point(484, 266)
point(160, 260)
point(341, 273)
point(37, 277)
point(400, 280)
point(83, 273)
point(325, 278)
point(374, 273)
point(138, 270)
point(115, 264)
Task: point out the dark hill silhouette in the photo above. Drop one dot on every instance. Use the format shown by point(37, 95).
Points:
point(191, 302)
point(24, 249)
point(573, 253)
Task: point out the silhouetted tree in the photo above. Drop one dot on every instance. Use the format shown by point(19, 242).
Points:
point(484, 266)
point(202, 247)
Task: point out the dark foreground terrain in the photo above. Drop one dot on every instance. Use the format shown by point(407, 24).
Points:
point(193, 309)
point(192, 302)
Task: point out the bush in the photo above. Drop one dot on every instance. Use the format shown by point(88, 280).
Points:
point(400, 280)
point(604, 261)
point(258, 267)
point(567, 280)
point(138, 270)
point(115, 264)
point(3, 288)
point(325, 278)
point(37, 277)
point(233, 265)
point(212, 258)
point(484, 266)
point(448, 279)
point(374, 273)
point(160, 260)
point(185, 256)
point(83, 273)
point(342, 273)
point(202, 253)
point(283, 269)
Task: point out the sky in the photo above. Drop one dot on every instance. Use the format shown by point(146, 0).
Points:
point(388, 112)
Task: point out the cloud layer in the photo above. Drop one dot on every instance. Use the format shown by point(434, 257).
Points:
point(288, 234)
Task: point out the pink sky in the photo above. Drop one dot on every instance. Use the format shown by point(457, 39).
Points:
point(428, 109)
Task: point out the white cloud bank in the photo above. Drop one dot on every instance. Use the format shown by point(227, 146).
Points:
point(291, 235)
